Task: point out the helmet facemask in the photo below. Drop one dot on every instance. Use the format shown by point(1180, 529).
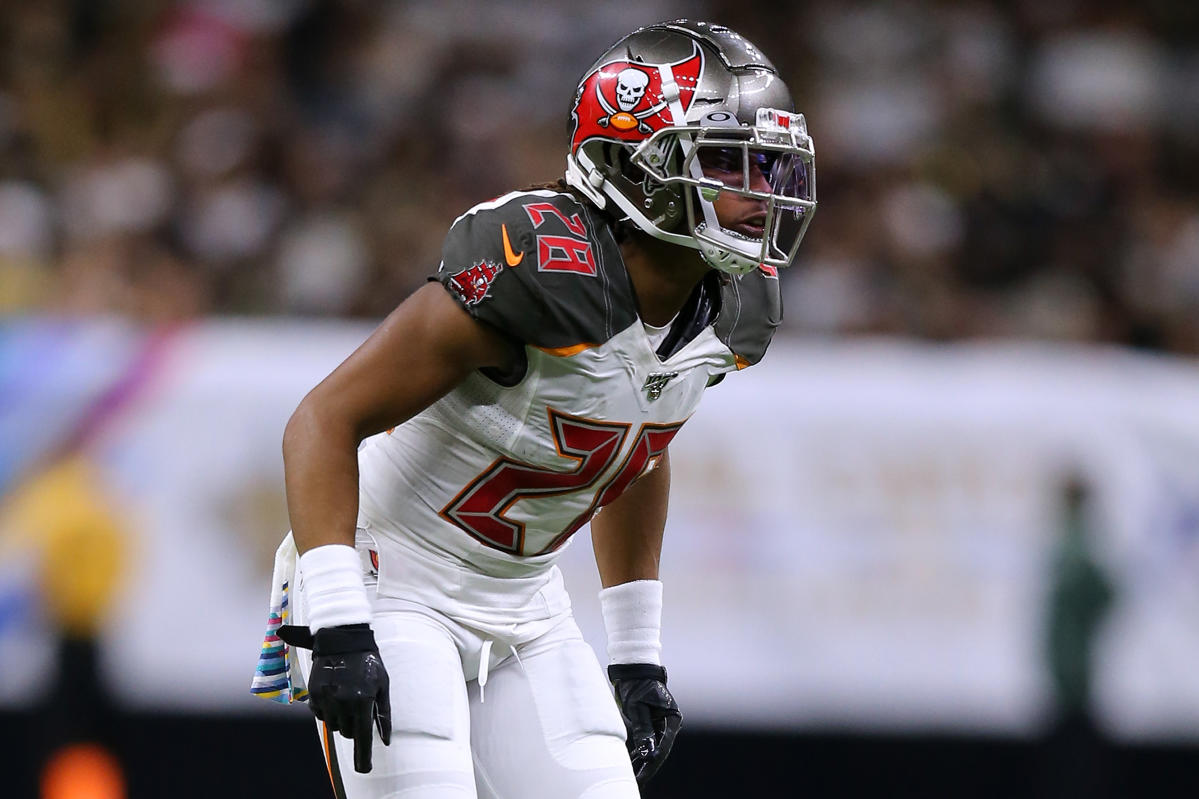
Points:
point(772, 162)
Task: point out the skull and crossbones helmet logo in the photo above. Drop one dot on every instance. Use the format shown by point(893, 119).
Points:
point(629, 91)
point(630, 88)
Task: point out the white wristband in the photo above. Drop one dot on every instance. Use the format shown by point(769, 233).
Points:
point(333, 587)
point(633, 619)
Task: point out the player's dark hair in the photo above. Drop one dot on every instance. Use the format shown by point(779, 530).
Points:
point(559, 185)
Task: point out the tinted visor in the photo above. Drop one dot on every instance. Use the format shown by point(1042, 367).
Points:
point(756, 169)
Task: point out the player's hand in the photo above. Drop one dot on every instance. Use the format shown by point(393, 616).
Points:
point(650, 714)
point(348, 686)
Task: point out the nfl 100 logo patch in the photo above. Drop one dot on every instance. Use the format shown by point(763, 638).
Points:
point(656, 382)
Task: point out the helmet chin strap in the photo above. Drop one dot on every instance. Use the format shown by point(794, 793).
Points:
point(725, 260)
point(584, 175)
point(589, 183)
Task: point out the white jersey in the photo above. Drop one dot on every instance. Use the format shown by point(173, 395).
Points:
point(499, 473)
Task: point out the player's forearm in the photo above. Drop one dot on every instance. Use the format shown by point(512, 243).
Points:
point(627, 534)
point(627, 537)
point(320, 460)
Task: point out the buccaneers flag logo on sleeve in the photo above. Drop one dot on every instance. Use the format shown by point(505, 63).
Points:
point(623, 100)
point(472, 284)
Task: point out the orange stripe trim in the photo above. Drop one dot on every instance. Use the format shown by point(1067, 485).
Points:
point(742, 363)
point(328, 763)
point(566, 352)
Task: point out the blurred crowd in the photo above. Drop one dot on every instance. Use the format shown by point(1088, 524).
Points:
point(986, 169)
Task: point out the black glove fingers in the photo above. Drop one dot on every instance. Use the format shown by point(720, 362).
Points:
point(670, 730)
point(382, 713)
point(363, 739)
point(664, 718)
point(647, 769)
point(671, 724)
point(667, 725)
point(350, 713)
point(642, 753)
point(638, 719)
point(345, 720)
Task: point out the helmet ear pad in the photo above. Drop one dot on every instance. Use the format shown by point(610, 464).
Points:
point(662, 204)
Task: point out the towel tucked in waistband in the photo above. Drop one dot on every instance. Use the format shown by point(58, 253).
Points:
point(277, 676)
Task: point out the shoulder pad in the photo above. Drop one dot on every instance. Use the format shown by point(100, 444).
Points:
point(751, 309)
point(540, 267)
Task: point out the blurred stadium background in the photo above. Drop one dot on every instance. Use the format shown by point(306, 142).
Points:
point(944, 542)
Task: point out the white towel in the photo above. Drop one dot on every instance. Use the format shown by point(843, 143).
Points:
point(277, 676)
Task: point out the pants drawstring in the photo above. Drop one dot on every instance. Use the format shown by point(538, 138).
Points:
point(484, 662)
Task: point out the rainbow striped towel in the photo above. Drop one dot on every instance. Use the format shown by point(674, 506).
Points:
point(277, 676)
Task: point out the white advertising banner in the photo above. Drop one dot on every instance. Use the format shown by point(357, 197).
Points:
point(863, 535)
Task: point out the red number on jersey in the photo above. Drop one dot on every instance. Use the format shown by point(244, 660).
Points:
point(480, 508)
point(650, 444)
point(538, 211)
point(564, 254)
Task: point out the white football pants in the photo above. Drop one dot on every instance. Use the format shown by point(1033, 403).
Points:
point(491, 716)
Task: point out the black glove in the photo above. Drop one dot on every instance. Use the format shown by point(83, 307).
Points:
point(347, 688)
point(650, 715)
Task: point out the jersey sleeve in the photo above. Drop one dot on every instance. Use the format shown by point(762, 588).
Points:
point(751, 311)
point(481, 276)
point(534, 266)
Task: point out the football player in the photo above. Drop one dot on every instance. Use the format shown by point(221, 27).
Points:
point(534, 386)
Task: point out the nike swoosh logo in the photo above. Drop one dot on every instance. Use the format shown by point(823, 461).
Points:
point(511, 257)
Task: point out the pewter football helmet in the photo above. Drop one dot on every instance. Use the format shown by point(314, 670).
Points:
point(676, 113)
